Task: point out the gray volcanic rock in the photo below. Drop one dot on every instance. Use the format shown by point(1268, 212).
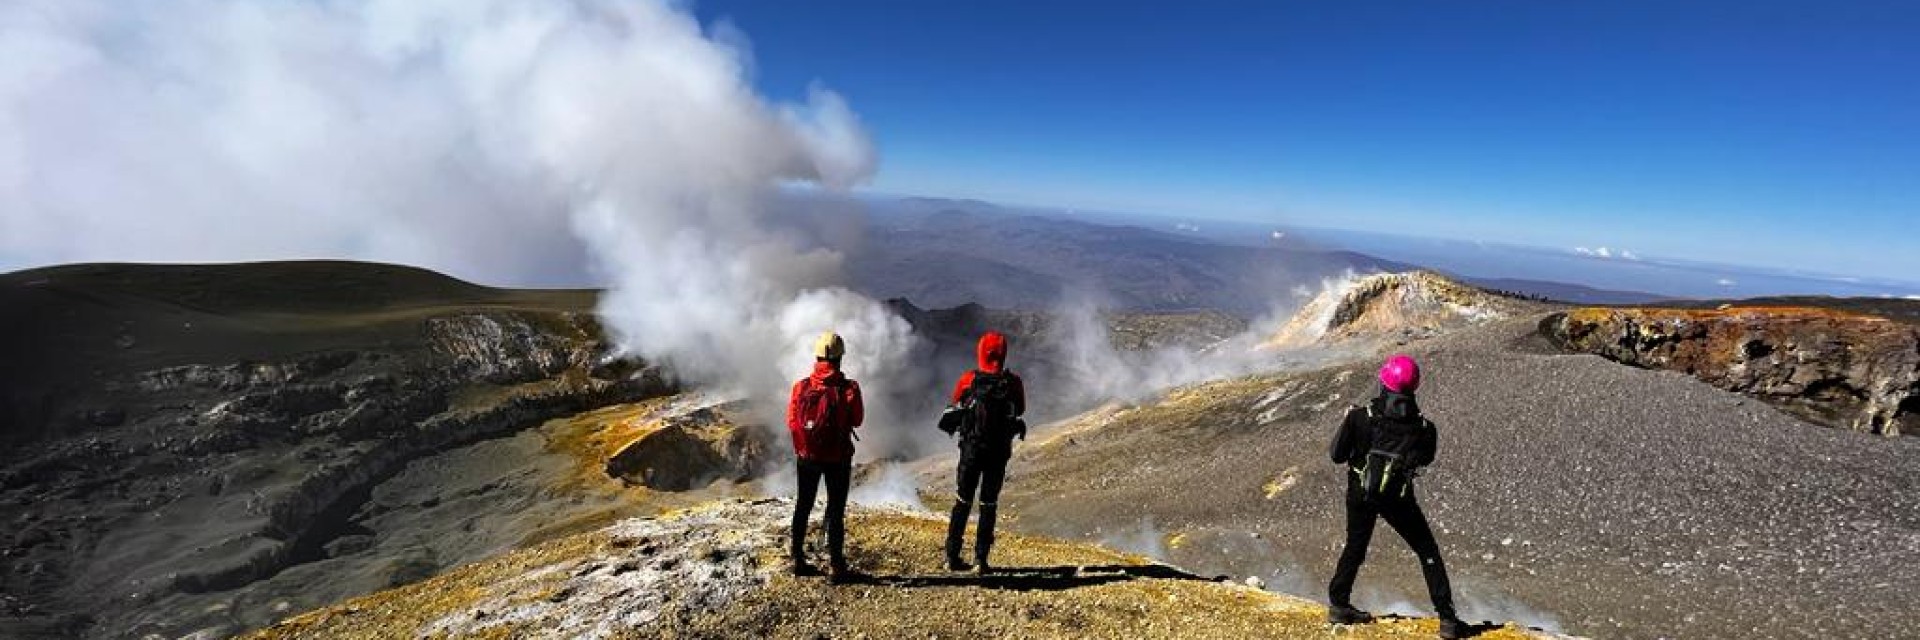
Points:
point(505, 348)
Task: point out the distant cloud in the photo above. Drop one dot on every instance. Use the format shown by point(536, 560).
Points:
point(1606, 253)
point(1186, 227)
point(1725, 282)
point(1279, 235)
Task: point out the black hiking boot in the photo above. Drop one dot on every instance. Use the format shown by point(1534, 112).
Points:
point(801, 568)
point(981, 567)
point(954, 563)
point(839, 574)
point(1453, 629)
point(1340, 614)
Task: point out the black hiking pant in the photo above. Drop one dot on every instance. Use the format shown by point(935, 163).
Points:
point(984, 474)
point(837, 475)
point(1407, 520)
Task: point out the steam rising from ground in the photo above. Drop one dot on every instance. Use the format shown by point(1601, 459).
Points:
point(508, 141)
point(1143, 539)
point(1097, 372)
point(1475, 603)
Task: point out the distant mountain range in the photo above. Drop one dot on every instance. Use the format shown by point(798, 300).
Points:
point(944, 253)
point(1572, 274)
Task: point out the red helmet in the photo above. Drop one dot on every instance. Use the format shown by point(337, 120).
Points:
point(1400, 374)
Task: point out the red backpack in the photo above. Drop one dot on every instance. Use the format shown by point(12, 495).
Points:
point(819, 421)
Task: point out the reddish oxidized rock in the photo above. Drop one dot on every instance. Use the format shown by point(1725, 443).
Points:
point(1837, 368)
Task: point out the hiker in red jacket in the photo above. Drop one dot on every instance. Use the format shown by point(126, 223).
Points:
point(822, 413)
point(985, 411)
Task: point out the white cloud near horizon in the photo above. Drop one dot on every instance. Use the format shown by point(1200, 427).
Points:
point(1606, 253)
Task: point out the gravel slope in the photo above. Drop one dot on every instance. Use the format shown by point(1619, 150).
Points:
point(1570, 491)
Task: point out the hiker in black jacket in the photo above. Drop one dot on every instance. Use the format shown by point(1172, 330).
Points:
point(1384, 445)
point(985, 412)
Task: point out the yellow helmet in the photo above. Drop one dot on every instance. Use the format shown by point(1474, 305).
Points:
point(829, 346)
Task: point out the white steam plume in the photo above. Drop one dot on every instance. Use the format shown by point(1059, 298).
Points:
point(1095, 371)
point(1144, 539)
point(507, 141)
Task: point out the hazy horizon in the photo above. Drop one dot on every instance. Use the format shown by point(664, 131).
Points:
point(1764, 133)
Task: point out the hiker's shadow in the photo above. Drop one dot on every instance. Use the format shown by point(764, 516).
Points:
point(1038, 578)
point(1474, 629)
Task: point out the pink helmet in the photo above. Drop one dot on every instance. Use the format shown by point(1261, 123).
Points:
point(1400, 374)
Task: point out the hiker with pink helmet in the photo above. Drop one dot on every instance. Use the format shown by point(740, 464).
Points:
point(1384, 444)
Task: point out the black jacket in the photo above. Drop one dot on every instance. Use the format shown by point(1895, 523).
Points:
point(1395, 422)
point(994, 439)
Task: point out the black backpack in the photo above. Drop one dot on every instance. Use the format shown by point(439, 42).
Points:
point(1385, 472)
point(987, 411)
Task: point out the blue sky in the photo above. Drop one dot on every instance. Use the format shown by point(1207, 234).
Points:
point(1782, 134)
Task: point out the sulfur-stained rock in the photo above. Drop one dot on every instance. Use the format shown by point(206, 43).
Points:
point(693, 450)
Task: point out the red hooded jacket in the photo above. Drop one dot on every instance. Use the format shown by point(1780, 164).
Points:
point(825, 373)
point(991, 354)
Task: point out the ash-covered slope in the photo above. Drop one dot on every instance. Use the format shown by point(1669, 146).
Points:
point(1608, 500)
point(174, 431)
point(716, 571)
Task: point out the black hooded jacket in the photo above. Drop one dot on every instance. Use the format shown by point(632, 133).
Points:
point(1395, 424)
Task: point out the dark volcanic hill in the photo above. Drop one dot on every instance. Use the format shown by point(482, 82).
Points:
point(176, 433)
point(65, 330)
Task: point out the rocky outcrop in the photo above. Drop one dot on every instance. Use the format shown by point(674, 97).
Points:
point(692, 450)
point(1412, 305)
point(240, 376)
point(505, 348)
point(1837, 368)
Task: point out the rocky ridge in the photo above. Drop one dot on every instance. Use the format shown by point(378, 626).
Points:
point(1838, 368)
point(1402, 306)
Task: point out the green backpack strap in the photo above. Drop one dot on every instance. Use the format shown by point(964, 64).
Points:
point(1366, 460)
